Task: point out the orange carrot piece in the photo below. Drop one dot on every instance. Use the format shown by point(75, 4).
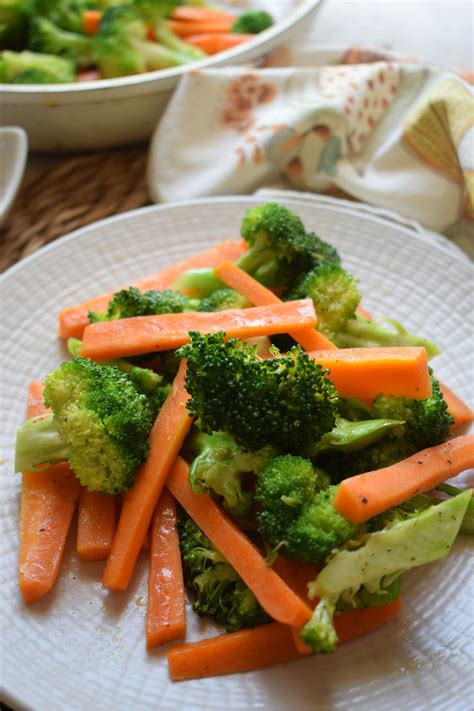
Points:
point(186, 29)
point(167, 436)
point(166, 603)
point(233, 653)
point(215, 42)
point(366, 372)
point(48, 501)
point(74, 319)
point(91, 21)
point(265, 646)
point(459, 411)
point(144, 334)
point(259, 295)
point(276, 598)
point(191, 13)
point(366, 495)
point(96, 523)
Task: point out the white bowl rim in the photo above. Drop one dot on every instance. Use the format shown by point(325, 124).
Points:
point(161, 75)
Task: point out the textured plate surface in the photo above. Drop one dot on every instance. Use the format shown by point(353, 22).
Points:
point(83, 648)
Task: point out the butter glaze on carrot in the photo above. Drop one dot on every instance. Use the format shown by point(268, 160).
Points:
point(145, 334)
point(234, 277)
point(166, 601)
point(276, 598)
point(166, 438)
point(74, 319)
point(48, 502)
point(366, 372)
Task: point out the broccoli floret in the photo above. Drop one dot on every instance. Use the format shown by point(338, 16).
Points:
point(46, 37)
point(359, 332)
point(220, 466)
point(28, 67)
point(252, 22)
point(102, 419)
point(133, 302)
point(122, 47)
point(154, 14)
point(14, 17)
point(219, 590)
point(66, 14)
point(223, 299)
point(375, 560)
point(335, 296)
point(280, 251)
point(426, 423)
point(297, 512)
point(287, 402)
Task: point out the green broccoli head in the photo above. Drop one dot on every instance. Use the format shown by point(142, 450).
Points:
point(287, 402)
point(46, 37)
point(133, 302)
point(422, 423)
point(219, 591)
point(14, 18)
point(252, 22)
point(220, 466)
point(35, 68)
point(297, 512)
point(224, 299)
point(66, 14)
point(101, 418)
point(334, 293)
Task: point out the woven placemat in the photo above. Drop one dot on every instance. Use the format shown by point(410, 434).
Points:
point(77, 191)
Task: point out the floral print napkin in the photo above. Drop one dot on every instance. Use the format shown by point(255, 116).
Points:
point(391, 133)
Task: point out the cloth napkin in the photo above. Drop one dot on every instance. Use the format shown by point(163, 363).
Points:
point(390, 133)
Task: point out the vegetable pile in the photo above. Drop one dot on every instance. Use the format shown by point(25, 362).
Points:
point(281, 454)
point(57, 41)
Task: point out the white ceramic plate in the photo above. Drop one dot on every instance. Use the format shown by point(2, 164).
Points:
point(82, 648)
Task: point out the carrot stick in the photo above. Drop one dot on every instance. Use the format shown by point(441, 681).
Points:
point(215, 42)
point(96, 524)
point(48, 501)
point(191, 13)
point(259, 295)
point(265, 646)
point(363, 496)
point(185, 29)
point(366, 372)
point(166, 437)
point(459, 411)
point(74, 319)
point(91, 21)
point(144, 334)
point(233, 653)
point(276, 598)
point(165, 612)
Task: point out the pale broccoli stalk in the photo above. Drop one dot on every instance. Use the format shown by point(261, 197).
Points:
point(348, 436)
point(407, 541)
point(35, 68)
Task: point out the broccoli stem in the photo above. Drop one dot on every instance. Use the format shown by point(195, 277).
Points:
point(171, 41)
point(362, 333)
point(38, 442)
point(202, 281)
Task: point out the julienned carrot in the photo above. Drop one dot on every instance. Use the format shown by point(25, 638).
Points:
point(215, 42)
point(236, 652)
point(363, 496)
point(144, 334)
point(259, 295)
point(348, 624)
point(459, 411)
point(276, 598)
point(48, 501)
point(166, 602)
point(166, 438)
point(91, 21)
point(191, 13)
point(74, 319)
point(199, 27)
point(265, 646)
point(96, 523)
point(366, 372)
